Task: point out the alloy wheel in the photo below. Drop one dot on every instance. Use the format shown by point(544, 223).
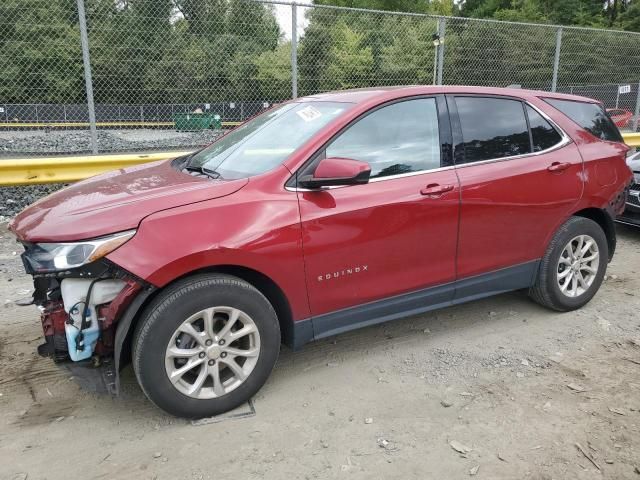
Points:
point(212, 352)
point(578, 266)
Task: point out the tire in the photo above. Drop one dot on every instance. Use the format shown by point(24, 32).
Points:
point(548, 287)
point(162, 347)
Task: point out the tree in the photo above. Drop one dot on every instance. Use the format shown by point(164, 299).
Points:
point(126, 41)
point(351, 61)
point(417, 6)
point(41, 57)
point(590, 13)
point(411, 53)
point(630, 18)
point(179, 51)
point(273, 72)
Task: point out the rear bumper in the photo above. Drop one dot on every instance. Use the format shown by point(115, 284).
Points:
point(631, 213)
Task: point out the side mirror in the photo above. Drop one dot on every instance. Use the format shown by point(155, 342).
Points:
point(337, 171)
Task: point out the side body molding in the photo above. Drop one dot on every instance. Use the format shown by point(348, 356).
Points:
point(414, 303)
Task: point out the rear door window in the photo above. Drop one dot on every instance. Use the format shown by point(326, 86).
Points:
point(492, 128)
point(543, 135)
point(590, 116)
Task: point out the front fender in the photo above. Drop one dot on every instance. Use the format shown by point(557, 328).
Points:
point(251, 229)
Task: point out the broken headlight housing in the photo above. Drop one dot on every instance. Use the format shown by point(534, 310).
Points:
point(55, 257)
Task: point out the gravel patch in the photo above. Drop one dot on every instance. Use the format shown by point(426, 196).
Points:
point(38, 142)
point(15, 199)
point(500, 388)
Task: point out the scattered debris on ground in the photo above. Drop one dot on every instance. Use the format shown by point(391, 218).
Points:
point(396, 403)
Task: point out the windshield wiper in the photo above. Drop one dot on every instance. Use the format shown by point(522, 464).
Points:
point(204, 171)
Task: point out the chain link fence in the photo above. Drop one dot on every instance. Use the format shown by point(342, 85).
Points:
point(162, 74)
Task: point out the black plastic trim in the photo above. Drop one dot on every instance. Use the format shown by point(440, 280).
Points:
point(308, 181)
point(123, 330)
point(456, 131)
point(414, 303)
point(610, 232)
point(300, 334)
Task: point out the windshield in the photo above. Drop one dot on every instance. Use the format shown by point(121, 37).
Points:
point(266, 141)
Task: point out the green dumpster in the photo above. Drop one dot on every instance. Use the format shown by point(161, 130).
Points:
point(192, 122)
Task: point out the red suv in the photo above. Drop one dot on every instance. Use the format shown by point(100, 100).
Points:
point(324, 214)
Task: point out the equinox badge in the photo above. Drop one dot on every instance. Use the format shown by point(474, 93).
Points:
point(343, 273)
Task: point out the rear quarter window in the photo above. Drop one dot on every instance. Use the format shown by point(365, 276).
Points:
point(590, 116)
point(543, 135)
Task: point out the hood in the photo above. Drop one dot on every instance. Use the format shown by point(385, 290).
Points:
point(114, 201)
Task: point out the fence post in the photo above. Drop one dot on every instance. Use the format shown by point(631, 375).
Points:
point(441, 29)
point(435, 64)
point(88, 81)
point(294, 50)
point(637, 111)
point(556, 60)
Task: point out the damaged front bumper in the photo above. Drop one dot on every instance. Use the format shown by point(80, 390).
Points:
point(63, 319)
point(81, 310)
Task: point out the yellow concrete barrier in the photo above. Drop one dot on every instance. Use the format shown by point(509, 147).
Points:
point(631, 138)
point(30, 171)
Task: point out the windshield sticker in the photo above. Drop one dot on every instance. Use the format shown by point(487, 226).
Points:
point(309, 114)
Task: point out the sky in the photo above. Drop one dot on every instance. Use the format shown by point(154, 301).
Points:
point(283, 15)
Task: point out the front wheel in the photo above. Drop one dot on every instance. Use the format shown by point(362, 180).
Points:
point(205, 345)
point(573, 266)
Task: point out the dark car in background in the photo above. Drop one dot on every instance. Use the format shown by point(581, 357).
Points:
point(631, 214)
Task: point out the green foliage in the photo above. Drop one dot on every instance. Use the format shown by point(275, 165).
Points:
point(350, 60)
point(203, 51)
point(418, 6)
point(621, 14)
point(522, 11)
point(411, 53)
point(273, 71)
point(39, 52)
point(142, 51)
point(163, 51)
point(630, 19)
point(479, 53)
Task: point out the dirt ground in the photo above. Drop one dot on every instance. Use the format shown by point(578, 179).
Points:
point(525, 392)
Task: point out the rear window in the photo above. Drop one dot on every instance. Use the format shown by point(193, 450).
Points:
point(590, 116)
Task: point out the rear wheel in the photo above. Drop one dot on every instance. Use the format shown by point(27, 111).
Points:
point(205, 345)
point(573, 266)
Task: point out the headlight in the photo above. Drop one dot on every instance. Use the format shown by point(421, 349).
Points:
point(51, 257)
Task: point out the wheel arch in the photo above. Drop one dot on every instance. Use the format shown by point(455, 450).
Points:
point(606, 222)
point(264, 284)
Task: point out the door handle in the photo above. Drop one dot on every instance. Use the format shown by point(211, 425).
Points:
point(558, 167)
point(435, 189)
